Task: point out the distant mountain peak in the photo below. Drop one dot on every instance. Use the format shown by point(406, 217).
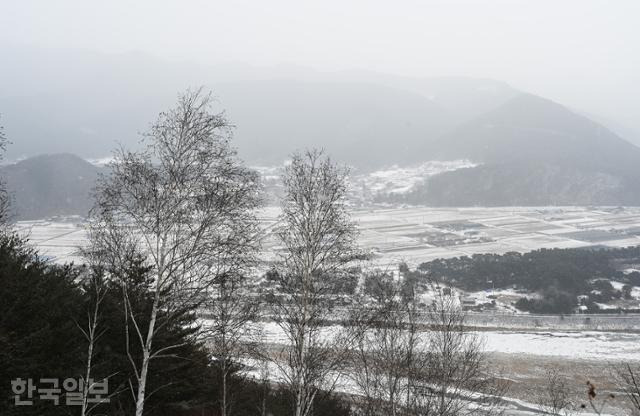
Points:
point(532, 128)
point(49, 185)
point(534, 152)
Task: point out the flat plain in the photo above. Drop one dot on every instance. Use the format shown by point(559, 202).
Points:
point(419, 234)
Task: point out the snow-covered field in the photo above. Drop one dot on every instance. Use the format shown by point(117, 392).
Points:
point(59, 240)
point(520, 357)
point(418, 234)
point(579, 345)
point(601, 346)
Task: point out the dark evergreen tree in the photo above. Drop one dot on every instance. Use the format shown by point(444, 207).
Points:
point(181, 376)
point(38, 336)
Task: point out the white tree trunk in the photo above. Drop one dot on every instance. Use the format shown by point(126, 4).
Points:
point(86, 386)
point(146, 358)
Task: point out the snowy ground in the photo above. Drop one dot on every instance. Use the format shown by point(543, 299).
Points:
point(419, 234)
point(391, 233)
point(596, 346)
point(59, 240)
point(580, 345)
point(400, 180)
point(261, 370)
point(522, 358)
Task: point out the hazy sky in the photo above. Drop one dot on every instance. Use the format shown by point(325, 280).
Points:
point(583, 53)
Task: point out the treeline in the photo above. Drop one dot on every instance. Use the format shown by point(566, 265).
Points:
point(558, 275)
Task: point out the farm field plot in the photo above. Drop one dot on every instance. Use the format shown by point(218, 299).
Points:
point(59, 241)
point(418, 234)
point(594, 236)
point(468, 231)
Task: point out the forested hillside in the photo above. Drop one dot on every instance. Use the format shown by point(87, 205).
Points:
point(558, 275)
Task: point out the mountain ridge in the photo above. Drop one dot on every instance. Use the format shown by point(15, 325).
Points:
point(48, 185)
point(364, 119)
point(533, 151)
point(102, 100)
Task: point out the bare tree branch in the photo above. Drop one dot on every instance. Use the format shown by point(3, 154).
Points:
point(318, 240)
point(186, 205)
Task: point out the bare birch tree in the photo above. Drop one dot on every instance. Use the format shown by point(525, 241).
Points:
point(413, 361)
point(385, 348)
point(456, 379)
point(187, 206)
point(318, 246)
point(96, 291)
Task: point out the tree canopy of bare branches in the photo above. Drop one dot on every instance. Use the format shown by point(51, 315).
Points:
point(555, 396)
point(318, 247)
point(185, 204)
point(629, 379)
point(385, 350)
point(412, 360)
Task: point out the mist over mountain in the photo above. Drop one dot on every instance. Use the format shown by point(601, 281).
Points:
point(531, 150)
point(528, 127)
point(282, 116)
point(88, 103)
point(527, 184)
point(48, 185)
point(534, 152)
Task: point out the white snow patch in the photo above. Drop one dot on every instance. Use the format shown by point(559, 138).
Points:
point(399, 180)
point(101, 161)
